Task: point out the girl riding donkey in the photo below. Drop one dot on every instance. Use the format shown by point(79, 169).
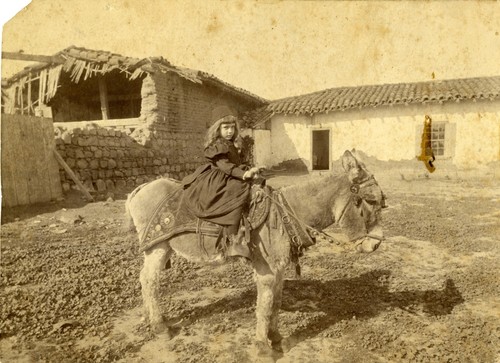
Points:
point(219, 190)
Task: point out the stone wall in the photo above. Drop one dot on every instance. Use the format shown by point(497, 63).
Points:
point(105, 159)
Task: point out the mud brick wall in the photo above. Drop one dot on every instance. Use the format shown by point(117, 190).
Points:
point(178, 113)
point(185, 106)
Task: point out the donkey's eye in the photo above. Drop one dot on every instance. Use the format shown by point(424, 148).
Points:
point(358, 201)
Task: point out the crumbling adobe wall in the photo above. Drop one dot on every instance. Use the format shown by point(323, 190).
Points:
point(182, 147)
point(178, 113)
point(185, 106)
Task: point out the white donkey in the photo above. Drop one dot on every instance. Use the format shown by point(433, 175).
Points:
point(352, 199)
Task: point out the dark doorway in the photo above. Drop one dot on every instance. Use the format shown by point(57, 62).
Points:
point(320, 149)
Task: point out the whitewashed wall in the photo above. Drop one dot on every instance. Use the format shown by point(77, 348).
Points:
point(262, 154)
point(478, 137)
point(393, 133)
point(291, 138)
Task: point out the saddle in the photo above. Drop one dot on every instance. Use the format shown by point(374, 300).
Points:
point(171, 217)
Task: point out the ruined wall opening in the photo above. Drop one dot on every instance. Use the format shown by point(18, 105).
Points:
point(82, 101)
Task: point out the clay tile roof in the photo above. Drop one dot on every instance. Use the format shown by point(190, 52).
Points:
point(344, 98)
point(256, 117)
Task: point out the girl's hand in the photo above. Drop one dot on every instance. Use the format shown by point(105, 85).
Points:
point(253, 173)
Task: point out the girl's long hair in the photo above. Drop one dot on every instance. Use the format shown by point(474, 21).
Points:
point(213, 132)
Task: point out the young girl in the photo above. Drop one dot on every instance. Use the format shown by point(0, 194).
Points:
point(218, 191)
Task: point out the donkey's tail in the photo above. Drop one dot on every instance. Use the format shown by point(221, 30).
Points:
point(129, 221)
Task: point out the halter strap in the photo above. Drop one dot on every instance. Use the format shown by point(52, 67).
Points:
point(355, 188)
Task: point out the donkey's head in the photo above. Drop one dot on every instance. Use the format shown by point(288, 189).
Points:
point(358, 211)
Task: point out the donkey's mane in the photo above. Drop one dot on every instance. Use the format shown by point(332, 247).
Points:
point(312, 200)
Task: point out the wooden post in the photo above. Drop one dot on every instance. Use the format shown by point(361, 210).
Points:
point(21, 89)
point(43, 85)
point(40, 94)
point(30, 106)
point(103, 95)
point(72, 175)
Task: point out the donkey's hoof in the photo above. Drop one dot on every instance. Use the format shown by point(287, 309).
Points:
point(162, 328)
point(284, 345)
point(263, 349)
point(276, 338)
point(281, 346)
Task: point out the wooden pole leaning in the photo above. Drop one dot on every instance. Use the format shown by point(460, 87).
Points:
point(72, 175)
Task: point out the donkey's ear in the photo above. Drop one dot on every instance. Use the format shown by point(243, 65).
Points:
point(349, 161)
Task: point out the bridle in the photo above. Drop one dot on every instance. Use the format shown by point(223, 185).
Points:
point(355, 188)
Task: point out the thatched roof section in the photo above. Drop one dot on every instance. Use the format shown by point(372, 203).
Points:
point(82, 63)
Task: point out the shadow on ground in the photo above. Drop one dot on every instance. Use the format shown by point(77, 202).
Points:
point(73, 199)
point(364, 296)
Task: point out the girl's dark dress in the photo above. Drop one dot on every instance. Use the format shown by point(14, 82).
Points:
point(216, 191)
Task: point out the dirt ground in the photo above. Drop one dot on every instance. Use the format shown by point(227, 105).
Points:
point(431, 293)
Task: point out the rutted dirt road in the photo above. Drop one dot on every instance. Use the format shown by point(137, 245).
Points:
point(70, 290)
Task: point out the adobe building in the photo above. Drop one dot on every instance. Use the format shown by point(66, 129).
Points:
point(121, 121)
point(385, 122)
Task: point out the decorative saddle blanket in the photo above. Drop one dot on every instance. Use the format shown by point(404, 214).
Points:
point(171, 218)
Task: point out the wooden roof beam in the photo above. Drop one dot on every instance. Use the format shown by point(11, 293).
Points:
point(33, 57)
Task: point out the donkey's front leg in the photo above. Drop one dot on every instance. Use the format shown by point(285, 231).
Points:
point(274, 334)
point(154, 262)
point(269, 287)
